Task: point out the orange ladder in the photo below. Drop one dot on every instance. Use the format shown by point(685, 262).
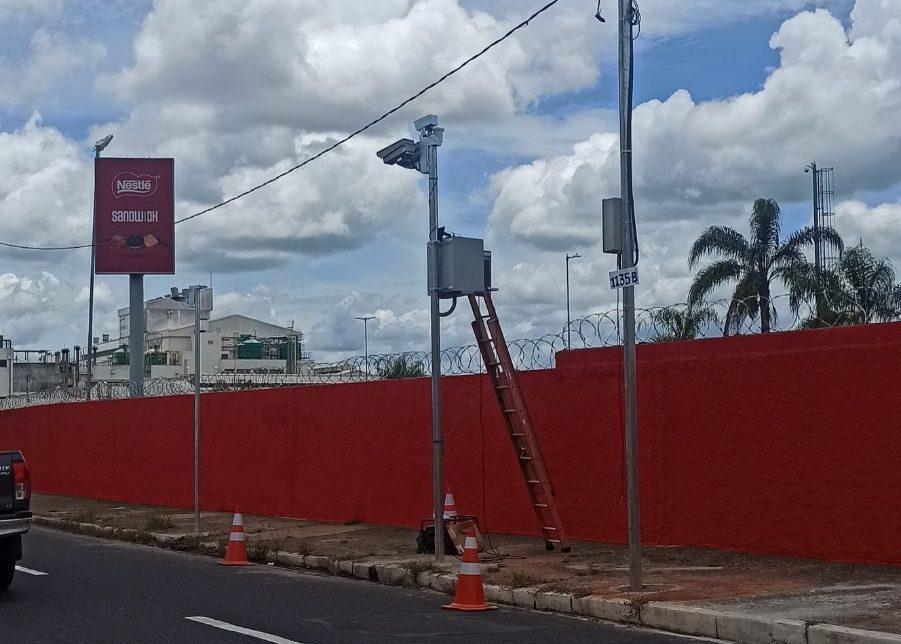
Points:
point(512, 404)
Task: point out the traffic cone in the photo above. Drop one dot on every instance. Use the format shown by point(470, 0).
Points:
point(450, 506)
point(236, 552)
point(470, 594)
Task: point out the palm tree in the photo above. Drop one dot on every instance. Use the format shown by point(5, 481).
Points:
point(681, 322)
point(752, 263)
point(859, 290)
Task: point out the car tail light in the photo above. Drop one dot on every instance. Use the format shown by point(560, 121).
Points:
point(22, 481)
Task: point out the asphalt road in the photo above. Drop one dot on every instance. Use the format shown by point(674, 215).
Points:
point(98, 590)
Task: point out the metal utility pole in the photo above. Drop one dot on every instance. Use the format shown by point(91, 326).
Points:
point(628, 260)
point(569, 344)
point(817, 254)
point(195, 291)
point(365, 319)
point(191, 296)
point(431, 137)
point(423, 157)
point(98, 148)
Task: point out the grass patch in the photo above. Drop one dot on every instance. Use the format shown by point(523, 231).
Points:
point(265, 550)
point(523, 579)
point(303, 547)
point(157, 520)
point(416, 567)
point(85, 516)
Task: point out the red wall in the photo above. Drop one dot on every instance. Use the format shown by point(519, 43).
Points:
point(786, 444)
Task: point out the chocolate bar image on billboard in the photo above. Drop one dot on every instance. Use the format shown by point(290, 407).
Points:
point(134, 242)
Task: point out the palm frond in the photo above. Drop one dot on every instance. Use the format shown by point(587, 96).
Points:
point(765, 225)
point(720, 241)
point(712, 276)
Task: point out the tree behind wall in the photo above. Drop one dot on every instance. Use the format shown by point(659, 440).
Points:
point(752, 264)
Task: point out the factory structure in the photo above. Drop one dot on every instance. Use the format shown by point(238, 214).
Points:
point(235, 351)
point(229, 346)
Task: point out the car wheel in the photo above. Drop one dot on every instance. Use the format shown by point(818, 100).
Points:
point(7, 570)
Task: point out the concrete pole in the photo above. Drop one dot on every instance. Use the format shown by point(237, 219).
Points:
point(136, 333)
point(630, 413)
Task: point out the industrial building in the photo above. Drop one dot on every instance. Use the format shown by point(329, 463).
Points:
point(232, 344)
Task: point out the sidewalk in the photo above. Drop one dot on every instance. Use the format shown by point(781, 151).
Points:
point(739, 597)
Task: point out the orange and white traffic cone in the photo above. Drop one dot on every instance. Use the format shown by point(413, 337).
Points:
point(450, 506)
point(470, 593)
point(236, 552)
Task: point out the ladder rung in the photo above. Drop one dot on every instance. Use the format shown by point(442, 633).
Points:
point(517, 434)
point(510, 411)
point(553, 540)
point(502, 386)
point(541, 505)
point(533, 482)
point(549, 528)
point(525, 458)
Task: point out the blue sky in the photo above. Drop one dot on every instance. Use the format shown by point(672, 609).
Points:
point(526, 161)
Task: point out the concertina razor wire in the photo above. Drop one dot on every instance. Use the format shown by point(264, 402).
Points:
point(656, 324)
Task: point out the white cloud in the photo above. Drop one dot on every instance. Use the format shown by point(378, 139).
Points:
point(331, 66)
point(45, 189)
point(51, 60)
point(878, 227)
point(16, 9)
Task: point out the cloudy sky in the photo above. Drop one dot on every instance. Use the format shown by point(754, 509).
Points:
point(733, 98)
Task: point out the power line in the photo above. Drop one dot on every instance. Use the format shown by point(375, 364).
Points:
point(333, 146)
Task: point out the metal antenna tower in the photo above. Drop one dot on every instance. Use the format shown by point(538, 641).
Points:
point(825, 194)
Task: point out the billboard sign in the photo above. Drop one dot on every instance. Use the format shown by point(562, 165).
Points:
point(134, 215)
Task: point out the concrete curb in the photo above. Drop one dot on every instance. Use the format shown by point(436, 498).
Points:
point(666, 616)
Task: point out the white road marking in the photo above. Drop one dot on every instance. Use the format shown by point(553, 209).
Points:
point(29, 571)
point(225, 626)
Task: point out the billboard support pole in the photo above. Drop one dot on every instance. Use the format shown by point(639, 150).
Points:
point(136, 333)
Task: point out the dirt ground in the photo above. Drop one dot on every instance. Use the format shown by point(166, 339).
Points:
point(670, 573)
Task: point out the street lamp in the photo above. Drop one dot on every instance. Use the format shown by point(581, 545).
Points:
point(569, 344)
point(99, 147)
point(191, 296)
point(423, 157)
point(365, 319)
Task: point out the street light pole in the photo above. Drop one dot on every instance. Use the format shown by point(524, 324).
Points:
point(568, 323)
point(365, 319)
point(191, 295)
point(98, 148)
point(630, 413)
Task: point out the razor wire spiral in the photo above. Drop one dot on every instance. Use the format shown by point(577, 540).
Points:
point(656, 324)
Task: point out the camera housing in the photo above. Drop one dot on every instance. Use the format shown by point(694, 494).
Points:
point(404, 153)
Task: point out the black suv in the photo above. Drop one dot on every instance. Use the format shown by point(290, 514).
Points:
point(15, 515)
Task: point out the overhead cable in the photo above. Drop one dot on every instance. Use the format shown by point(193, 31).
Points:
point(334, 145)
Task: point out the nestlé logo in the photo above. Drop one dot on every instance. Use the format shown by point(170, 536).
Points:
point(134, 185)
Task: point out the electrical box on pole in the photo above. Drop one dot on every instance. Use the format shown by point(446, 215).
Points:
point(612, 219)
point(463, 267)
